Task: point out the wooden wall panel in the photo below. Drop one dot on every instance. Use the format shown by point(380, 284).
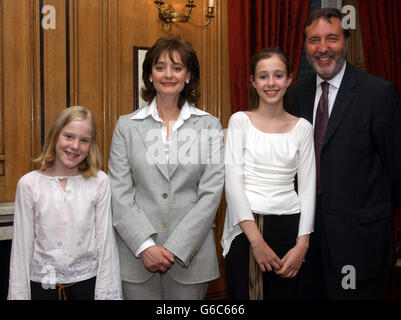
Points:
point(89, 57)
point(54, 70)
point(2, 124)
point(19, 94)
point(139, 29)
point(37, 85)
point(88, 60)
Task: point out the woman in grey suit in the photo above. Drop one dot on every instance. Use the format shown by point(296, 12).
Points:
point(167, 174)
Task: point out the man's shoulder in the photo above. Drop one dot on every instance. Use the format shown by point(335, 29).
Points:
point(304, 82)
point(365, 78)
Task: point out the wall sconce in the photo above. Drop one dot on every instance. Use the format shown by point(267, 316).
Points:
point(167, 15)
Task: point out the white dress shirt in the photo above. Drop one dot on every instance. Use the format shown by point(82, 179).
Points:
point(334, 85)
point(63, 236)
point(151, 110)
point(260, 168)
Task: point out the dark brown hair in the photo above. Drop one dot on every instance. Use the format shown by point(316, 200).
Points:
point(172, 44)
point(325, 13)
point(266, 54)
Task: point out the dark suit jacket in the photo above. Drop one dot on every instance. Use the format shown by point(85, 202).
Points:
point(360, 169)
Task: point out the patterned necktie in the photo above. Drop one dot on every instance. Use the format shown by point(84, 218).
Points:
point(322, 117)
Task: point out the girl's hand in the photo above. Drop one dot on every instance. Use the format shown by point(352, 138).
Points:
point(294, 258)
point(265, 257)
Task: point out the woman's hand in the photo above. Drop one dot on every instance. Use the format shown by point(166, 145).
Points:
point(294, 258)
point(156, 258)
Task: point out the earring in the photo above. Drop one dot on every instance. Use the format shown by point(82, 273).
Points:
point(186, 81)
point(150, 79)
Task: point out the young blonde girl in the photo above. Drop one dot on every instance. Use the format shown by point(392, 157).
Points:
point(63, 244)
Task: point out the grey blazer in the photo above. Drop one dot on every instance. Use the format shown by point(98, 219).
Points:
point(174, 203)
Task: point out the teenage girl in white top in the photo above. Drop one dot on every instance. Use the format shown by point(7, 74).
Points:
point(267, 226)
point(63, 244)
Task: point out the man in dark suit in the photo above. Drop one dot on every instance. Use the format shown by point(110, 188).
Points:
point(357, 123)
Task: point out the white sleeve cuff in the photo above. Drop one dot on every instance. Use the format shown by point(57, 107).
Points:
point(146, 244)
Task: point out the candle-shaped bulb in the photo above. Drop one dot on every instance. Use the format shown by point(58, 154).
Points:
point(211, 3)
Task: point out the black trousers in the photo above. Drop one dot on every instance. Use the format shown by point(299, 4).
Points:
point(319, 280)
point(280, 233)
point(82, 290)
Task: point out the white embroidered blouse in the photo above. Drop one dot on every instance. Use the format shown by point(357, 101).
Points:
point(63, 236)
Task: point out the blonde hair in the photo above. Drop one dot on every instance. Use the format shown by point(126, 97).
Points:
point(92, 163)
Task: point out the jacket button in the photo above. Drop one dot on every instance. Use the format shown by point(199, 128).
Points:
point(164, 195)
point(164, 224)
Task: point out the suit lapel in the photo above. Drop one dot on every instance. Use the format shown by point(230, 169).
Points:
point(343, 100)
point(149, 131)
point(184, 138)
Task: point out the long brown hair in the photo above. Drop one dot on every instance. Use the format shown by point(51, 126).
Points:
point(92, 163)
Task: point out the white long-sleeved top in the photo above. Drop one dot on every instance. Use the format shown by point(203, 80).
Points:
point(259, 172)
point(63, 236)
